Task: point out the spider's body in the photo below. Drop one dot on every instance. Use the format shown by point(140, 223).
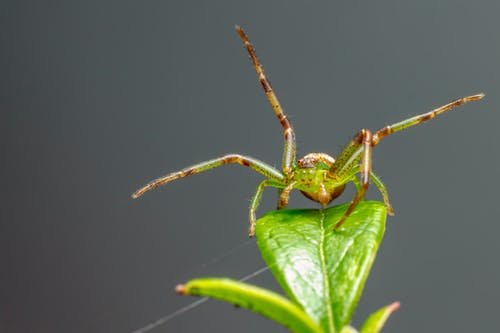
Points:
point(311, 178)
point(318, 176)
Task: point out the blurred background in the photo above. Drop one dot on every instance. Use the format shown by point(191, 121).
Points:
point(99, 97)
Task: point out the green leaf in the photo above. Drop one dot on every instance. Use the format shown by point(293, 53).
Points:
point(263, 301)
point(376, 321)
point(320, 269)
point(348, 329)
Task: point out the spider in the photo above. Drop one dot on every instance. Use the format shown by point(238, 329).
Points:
point(318, 176)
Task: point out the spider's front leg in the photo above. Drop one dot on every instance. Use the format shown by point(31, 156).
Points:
point(347, 160)
point(399, 126)
point(289, 150)
point(247, 161)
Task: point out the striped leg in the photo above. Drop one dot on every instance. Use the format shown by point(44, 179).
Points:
point(363, 139)
point(250, 162)
point(351, 153)
point(289, 149)
point(280, 191)
point(347, 160)
point(421, 118)
point(284, 195)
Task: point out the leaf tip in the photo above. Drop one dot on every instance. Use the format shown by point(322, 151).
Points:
point(394, 306)
point(180, 289)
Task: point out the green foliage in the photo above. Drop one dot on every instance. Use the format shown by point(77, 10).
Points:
point(376, 321)
point(263, 301)
point(322, 270)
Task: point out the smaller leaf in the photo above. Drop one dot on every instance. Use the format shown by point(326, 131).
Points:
point(263, 301)
point(348, 329)
point(376, 321)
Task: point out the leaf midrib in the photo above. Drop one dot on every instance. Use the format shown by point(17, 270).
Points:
point(324, 272)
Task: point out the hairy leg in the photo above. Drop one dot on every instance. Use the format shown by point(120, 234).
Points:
point(421, 118)
point(359, 148)
point(289, 149)
point(250, 162)
point(284, 195)
point(347, 160)
point(364, 139)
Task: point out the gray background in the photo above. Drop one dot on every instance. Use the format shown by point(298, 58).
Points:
point(98, 97)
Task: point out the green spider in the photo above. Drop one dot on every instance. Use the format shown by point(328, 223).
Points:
point(318, 176)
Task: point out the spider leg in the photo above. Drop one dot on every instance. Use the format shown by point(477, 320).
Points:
point(421, 118)
point(343, 169)
point(255, 203)
point(280, 190)
point(360, 148)
point(289, 150)
point(383, 190)
point(363, 140)
point(351, 153)
point(356, 183)
point(284, 195)
point(250, 162)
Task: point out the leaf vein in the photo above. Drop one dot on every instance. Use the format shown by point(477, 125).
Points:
point(324, 272)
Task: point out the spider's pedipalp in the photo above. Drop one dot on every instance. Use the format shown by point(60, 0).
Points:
point(285, 195)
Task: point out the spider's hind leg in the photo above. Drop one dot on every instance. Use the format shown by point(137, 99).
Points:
point(278, 206)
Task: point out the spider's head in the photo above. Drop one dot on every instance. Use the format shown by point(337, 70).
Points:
point(310, 175)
